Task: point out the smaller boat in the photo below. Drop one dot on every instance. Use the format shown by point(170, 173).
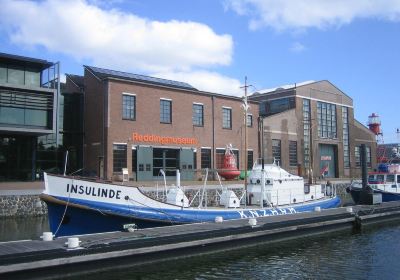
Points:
point(385, 181)
point(229, 170)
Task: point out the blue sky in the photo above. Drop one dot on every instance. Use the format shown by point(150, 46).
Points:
point(213, 44)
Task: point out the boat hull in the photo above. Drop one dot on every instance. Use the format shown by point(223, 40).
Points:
point(386, 196)
point(73, 217)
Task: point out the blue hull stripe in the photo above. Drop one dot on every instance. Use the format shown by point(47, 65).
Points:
point(111, 217)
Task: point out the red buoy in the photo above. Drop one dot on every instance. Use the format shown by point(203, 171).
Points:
point(230, 170)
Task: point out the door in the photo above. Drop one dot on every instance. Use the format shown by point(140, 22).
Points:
point(165, 159)
point(327, 161)
point(187, 164)
point(144, 163)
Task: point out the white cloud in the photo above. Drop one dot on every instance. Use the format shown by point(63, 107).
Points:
point(303, 14)
point(206, 81)
point(112, 38)
point(297, 47)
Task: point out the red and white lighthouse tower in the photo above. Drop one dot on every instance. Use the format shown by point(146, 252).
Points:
point(374, 124)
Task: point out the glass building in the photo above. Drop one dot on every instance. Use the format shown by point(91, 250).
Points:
point(28, 102)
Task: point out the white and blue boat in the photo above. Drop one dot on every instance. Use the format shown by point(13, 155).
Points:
point(81, 206)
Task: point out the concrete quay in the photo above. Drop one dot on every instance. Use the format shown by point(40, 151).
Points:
point(118, 249)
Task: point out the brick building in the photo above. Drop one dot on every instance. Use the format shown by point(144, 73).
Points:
point(147, 124)
point(312, 125)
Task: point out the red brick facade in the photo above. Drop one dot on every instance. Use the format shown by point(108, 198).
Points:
point(104, 125)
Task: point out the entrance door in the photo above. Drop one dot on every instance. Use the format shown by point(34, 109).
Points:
point(186, 164)
point(16, 158)
point(327, 163)
point(144, 163)
point(167, 160)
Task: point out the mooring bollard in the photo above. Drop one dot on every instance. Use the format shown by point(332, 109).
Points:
point(317, 209)
point(47, 236)
point(219, 219)
point(253, 222)
point(73, 242)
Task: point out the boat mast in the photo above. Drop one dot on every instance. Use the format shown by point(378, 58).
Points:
point(245, 106)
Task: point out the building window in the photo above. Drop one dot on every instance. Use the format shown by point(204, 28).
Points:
point(165, 111)
point(119, 157)
point(306, 131)
point(272, 107)
point(326, 120)
point(128, 107)
point(346, 145)
point(357, 156)
point(293, 153)
point(250, 160)
point(249, 120)
point(205, 158)
point(276, 150)
point(198, 115)
point(227, 118)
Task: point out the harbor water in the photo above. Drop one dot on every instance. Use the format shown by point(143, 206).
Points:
point(373, 253)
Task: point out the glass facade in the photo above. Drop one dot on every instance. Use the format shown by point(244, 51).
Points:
point(27, 95)
point(306, 131)
point(128, 107)
point(19, 75)
point(326, 114)
point(165, 111)
point(26, 109)
point(346, 143)
point(227, 118)
point(198, 115)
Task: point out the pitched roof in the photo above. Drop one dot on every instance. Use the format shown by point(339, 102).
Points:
point(283, 87)
point(106, 73)
point(24, 60)
point(76, 79)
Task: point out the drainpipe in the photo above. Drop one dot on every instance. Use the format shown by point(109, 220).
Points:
point(213, 135)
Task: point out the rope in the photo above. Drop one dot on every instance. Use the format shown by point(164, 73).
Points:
point(65, 211)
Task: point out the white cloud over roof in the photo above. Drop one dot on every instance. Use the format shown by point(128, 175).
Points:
point(115, 39)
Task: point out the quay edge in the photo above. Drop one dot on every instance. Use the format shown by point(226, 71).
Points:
point(108, 250)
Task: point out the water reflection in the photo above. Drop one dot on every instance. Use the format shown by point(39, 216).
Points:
point(371, 254)
point(23, 228)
